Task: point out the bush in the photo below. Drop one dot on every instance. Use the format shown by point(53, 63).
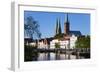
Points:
point(30, 53)
point(57, 45)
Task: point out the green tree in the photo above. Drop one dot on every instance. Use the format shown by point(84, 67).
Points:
point(87, 42)
point(58, 36)
point(30, 53)
point(31, 28)
point(57, 45)
point(83, 42)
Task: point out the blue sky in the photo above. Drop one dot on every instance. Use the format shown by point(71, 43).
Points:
point(47, 21)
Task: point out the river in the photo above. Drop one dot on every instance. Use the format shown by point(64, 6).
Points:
point(53, 56)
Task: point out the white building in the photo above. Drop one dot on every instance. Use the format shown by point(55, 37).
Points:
point(67, 42)
point(52, 43)
point(73, 39)
point(42, 45)
point(32, 44)
point(64, 43)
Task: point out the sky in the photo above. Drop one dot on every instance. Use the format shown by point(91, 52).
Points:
point(47, 21)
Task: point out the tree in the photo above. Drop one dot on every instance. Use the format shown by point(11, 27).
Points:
point(83, 42)
point(32, 27)
point(58, 36)
point(57, 45)
point(57, 52)
point(87, 42)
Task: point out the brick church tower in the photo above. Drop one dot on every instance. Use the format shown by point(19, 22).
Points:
point(66, 26)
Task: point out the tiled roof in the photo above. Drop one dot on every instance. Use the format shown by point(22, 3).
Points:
point(76, 33)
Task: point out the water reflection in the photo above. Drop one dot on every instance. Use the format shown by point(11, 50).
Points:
point(46, 56)
point(53, 56)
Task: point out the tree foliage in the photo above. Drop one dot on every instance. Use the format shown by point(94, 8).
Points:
point(57, 45)
point(30, 54)
point(32, 27)
point(83, 42)
point(58, 36)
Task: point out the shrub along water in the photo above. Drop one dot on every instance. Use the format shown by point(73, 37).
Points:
point(30, 53)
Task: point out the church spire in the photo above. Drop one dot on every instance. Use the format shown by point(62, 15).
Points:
point(58, 26)
point(66, 25)
point(66, 18)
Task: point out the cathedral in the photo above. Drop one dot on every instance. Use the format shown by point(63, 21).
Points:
point(67, 38)
point(67, 31)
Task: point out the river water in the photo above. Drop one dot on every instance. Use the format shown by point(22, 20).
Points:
point(53, 56)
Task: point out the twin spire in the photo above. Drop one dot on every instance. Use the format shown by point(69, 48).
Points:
point(58, 25)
